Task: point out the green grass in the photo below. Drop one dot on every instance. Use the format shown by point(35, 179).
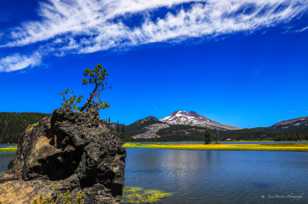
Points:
point(137, 195)
point(262, 140)
point(226, 147)
point(8, 149)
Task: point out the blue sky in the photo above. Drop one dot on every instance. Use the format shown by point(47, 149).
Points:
point(240, 62)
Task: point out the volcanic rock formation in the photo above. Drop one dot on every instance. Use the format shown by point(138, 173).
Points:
point(69, 156)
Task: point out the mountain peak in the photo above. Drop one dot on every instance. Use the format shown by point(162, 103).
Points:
point(192, 118)
point(183, 112)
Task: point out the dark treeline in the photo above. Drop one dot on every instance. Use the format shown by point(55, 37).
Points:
point(188, 133)
point(12, 125)
point(278, 134)
point(183, 133)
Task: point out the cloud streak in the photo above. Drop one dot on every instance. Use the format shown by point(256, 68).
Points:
point(18, 62)
point(87, 26)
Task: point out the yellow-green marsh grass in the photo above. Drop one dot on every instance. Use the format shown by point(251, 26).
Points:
point(137, 195)
point(8, 149)
point(226, 147)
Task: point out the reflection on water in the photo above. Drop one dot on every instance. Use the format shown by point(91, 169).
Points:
point(217, 177)
point(5, 159)
point(220, 176)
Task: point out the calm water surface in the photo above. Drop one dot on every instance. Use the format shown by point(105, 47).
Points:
point(214, 177)
point(217, 177)
point(5, 159)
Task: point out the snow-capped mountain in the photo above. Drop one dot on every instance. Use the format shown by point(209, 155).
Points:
point(194, 119)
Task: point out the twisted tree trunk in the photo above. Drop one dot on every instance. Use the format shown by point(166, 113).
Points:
point(87, 105)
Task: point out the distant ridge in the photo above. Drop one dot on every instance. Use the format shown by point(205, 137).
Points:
point(291, 123)
point(191, 126)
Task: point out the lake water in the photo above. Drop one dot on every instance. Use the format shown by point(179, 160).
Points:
point(218, 177)
point(5, 159)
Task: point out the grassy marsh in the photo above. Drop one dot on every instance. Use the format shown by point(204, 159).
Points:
point(8, 149)
point(137, 195)
point(226, 147)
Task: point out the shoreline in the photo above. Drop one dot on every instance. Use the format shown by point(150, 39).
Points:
point(222, 147)
point(205, 147)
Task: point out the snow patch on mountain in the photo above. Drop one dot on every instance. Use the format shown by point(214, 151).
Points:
point(194, 119)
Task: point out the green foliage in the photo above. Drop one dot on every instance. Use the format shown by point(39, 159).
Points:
point(183, 133)
point(95, 78)
point(278, 134)
point(70, 102)
point(102, 105)
point(13, 125)
point(207, 137)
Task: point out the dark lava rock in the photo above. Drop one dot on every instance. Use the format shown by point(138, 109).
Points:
point(73, 152)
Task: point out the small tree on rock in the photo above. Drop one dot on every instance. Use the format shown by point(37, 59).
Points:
point(70, 101)
point(96, 78)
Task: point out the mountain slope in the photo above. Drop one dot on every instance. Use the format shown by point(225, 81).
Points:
point(292, 123)
point(194, 119)
point(146, 128)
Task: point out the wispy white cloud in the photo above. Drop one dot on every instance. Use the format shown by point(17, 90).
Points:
point(303, 29)
point(86, 26)
point(78, 17)
point(19, 62)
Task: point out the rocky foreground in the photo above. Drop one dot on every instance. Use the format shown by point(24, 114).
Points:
point(70, 157)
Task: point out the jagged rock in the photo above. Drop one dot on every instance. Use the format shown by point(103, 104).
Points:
point(71, 152)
